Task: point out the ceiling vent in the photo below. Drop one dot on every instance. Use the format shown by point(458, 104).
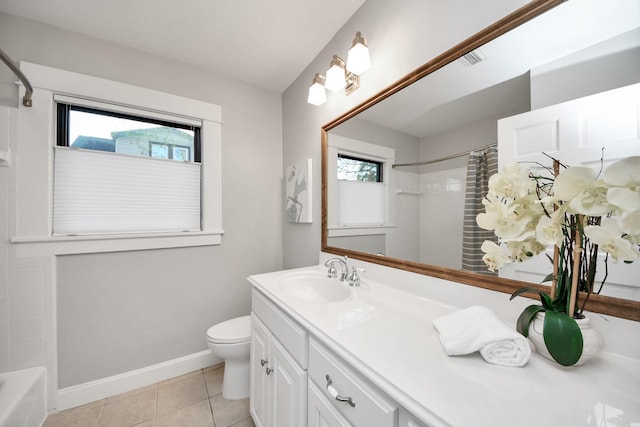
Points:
point(472, 58)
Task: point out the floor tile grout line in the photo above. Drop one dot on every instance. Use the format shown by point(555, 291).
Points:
point(155, 412)
point(155, 387)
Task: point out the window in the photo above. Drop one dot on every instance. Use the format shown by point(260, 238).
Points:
point(116, 183)
point(358, 169)
point(359, 189)
point(102, 130)
point(90, 195)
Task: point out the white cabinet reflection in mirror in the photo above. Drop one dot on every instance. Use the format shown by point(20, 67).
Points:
point(581, 132)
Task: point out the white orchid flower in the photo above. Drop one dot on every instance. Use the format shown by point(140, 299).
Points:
point(629, 223)
point(623, 173)
point(512, 182)
point(586, 195)
point(623, 177)
point(608, 237)
point(504, 221)
point(494, 256)
point(549, 231)
point(572, 181)
point(523, 250)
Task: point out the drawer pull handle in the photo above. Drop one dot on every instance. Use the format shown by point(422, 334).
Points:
point(269, 370)
point(334, 393)
point(263, 362)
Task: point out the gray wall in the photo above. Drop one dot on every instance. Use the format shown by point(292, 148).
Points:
point(122, 311)
point(598, 68)
point(401, 35)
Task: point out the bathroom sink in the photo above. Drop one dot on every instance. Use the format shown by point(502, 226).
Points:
point(313, 286)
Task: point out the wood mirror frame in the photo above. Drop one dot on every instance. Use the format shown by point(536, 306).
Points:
point(596, 303)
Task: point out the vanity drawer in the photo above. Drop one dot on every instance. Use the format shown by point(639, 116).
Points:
point(368, 406)
point(292, 337)
point(409, 420)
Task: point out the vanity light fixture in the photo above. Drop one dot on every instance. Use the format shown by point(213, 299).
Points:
point(341, 75)
point(358, 60)
point(336, 75)
point(317, 95)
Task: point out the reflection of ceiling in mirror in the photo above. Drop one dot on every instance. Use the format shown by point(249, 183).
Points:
point(562, 32)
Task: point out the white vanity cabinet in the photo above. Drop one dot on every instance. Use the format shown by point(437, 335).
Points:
point(339, 396)
point(278, 395)
point(409, 420)
point(320, 412)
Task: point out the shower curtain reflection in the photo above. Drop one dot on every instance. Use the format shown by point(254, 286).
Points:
point(480, 166)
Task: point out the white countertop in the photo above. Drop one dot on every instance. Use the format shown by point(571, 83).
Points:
point(387, 334)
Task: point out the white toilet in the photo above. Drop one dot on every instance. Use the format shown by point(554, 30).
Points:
point(231, 341)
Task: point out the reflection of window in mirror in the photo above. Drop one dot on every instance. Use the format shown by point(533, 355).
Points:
point(361, 191)
point(359, 187)
point(358, 169)
point(360, 214)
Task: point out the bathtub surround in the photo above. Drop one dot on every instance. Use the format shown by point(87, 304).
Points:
point(22, 398)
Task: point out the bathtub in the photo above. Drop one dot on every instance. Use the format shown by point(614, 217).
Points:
point(22, 397)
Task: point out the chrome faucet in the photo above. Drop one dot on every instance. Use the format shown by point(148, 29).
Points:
point(354, 279)
point(344, 269)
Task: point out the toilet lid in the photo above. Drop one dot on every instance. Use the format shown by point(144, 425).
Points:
point(231, 331)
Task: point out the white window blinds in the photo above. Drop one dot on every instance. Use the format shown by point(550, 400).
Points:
point(361, 203)
point(98, 192)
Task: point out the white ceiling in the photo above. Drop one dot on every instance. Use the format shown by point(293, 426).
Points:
point(266, 43)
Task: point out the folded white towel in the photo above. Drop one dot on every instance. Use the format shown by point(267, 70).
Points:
point(478, 329)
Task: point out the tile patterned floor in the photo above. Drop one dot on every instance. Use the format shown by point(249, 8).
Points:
point(191, 400)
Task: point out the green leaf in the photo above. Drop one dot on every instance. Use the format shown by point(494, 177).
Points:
point(525, 318)
point(546, 301)
point(544, 298)
point(562, 337)
point(523, 290)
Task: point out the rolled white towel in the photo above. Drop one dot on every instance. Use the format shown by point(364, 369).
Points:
point(478, 329)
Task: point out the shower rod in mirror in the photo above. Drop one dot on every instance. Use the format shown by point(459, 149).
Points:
point(442, 159)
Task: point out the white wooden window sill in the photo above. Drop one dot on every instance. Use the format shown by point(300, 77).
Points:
point(66, 245)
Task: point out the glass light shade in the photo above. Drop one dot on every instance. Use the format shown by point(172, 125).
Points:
point(336, 77)
point(358, 60)
point(317, 94)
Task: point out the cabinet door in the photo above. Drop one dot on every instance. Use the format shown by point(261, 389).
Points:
point(320, 412)
point(259, 389)
point(288, 389)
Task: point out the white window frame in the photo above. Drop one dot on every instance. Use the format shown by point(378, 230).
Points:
point(365, 150)
point(37, 138)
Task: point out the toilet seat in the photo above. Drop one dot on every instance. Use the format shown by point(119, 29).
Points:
point(231, 331)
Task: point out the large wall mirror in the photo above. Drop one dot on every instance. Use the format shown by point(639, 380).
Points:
point(423, 128)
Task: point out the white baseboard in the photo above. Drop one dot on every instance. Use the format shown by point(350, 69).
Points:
point(81, 394)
